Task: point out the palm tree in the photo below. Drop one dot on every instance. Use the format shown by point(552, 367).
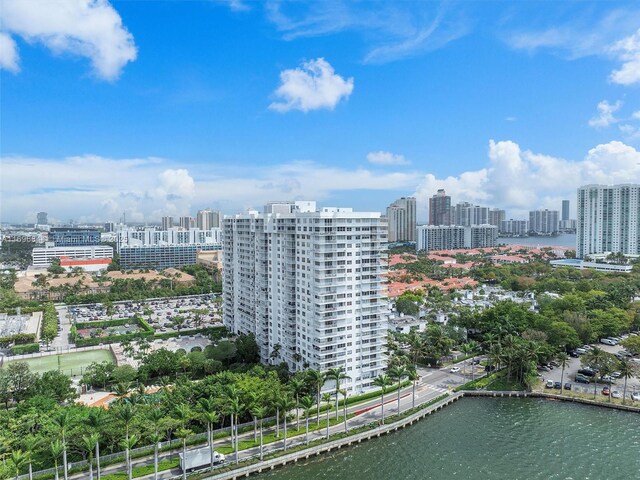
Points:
point(183, 414)
point(398, 373)
point(284, 404)
point(126, 414)
point(596, 358)
point(19, 459)
point(297, 387)
point(326, 398)
point(235, 409)
point(626, 371)
point(260, 411)
point(63, 422)
point(95, 422)
point(344, 393)
point(563, 360)
point(412, 374)
point(317, 379)
point(306, 402)
point(128, 444)
point(383, 381)
point(56, 451)
point(207, 408)
point(337, 374)
point(466, 349)
point(155, 438)
point(30, 444)
point(88, 444)
point(474, 348)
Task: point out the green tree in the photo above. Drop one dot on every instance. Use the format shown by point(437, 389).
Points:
point(317, 380)
point(285, 403)
point(397, 374)
point(63, 422)
point(260, 412)
point(383, 381)
point(18, 461)
point(88, 444)
point(298, 387)
point(208, 410)
point(412, 374)
point(182, 413)
point(627, 371)
point(96, 421)
point(326, 398)
point(129, 444)
point(56, 450)
point(336, 374)
point(126, 415)
point(306, 402)
point(563, 360)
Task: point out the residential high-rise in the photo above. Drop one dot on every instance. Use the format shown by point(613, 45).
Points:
point(207, 219)
point(42, 218)
point(465, 214)
point(517, 228)
point(543, 222)
point(440, 209)
point(308, 284)
point(608, 219)
point(496, 217)
point(565, 209)
point(451, 237)
point(185, 222)
point(401, 216)
point(167, 223)
point(109, 227)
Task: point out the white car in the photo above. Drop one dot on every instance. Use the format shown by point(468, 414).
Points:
point(635, 396)
point(608, 341)
point(616, 394)
point(455, 369)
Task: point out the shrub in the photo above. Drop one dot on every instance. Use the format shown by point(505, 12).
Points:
point(27, 348)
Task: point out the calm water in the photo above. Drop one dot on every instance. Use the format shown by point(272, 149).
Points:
point(562, 240)
point(489, 439)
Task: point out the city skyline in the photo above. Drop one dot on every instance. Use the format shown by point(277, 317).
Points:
point(349, 104)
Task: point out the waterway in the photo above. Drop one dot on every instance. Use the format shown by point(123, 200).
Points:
point(491, 439)
point(562, 240)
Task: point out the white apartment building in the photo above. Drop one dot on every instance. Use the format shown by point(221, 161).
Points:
point(451, 237)
point(207, 219)
point(308, 284)
point(608, 219)
point(173, 236)
point(401, 216)
point(517, 228)
point(43, 256)
point(543, 222)
point(465, 214)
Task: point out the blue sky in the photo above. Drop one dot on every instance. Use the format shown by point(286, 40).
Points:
point(156, 107)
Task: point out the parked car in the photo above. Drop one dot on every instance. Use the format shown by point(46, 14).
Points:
point(544, 368)
point(615, 375)
point(454, 369)
point(616, 394)
point(554, 363)
point(635, 396)
point(557, 385)
point(582, 378)
point(567, 386)
point(605, 391)
point(574, 354)
point(587, 372)
point(580, 351)
point(608, 341)
point(489, 368)
point(549, 384)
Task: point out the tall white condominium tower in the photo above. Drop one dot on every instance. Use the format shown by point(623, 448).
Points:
point(207, 219)
point(608, 219)
point(401, 216)
point(308, 284)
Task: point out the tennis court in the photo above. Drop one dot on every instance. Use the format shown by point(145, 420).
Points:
point(72, 364)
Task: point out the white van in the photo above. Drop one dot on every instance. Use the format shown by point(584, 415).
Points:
point(608, 341)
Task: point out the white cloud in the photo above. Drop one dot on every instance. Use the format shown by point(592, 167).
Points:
point(605, 114)
point(627, 51)
point(312, 86)
point(86, 28)
point(615, 35)
point(522, 180)
point(386, 158)
point(8, 53)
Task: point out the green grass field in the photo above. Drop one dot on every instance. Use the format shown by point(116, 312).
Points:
point(72, 364)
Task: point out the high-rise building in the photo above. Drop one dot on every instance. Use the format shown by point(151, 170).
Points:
point(451, 237)
point(517, 228)
point(440, 209)
point(565, 209)
point(167, 223)
point(207, 219)
point(109, 227)
point(466, 214)
point(41, 218)
point(608, 219)
point(185, 222)
point(496, 217)
point(309, 285)
point(543, 222)
point(74, 237)
point(401, 216)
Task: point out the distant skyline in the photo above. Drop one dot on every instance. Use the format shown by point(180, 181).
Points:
point(164, 108)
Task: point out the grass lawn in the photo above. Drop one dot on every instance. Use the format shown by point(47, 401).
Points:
point(69, 363)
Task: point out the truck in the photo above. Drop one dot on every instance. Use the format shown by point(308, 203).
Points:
point(199, 458)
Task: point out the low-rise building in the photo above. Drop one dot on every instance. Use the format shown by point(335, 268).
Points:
point(43, 256)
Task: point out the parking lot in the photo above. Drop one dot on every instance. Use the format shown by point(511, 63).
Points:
point(164, 315)
point(575, 364)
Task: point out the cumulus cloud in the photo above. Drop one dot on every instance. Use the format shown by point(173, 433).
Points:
point(605, 114)
point(85, 28)
point(386, 158)
point(627, 51)
point(8, 53)
point(312, 86)
point(519, 180)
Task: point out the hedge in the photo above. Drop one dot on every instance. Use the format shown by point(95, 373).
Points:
point(49, 327)
point(27, 348)
point(90, 342)
point(17, 339)
point(105, 323)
